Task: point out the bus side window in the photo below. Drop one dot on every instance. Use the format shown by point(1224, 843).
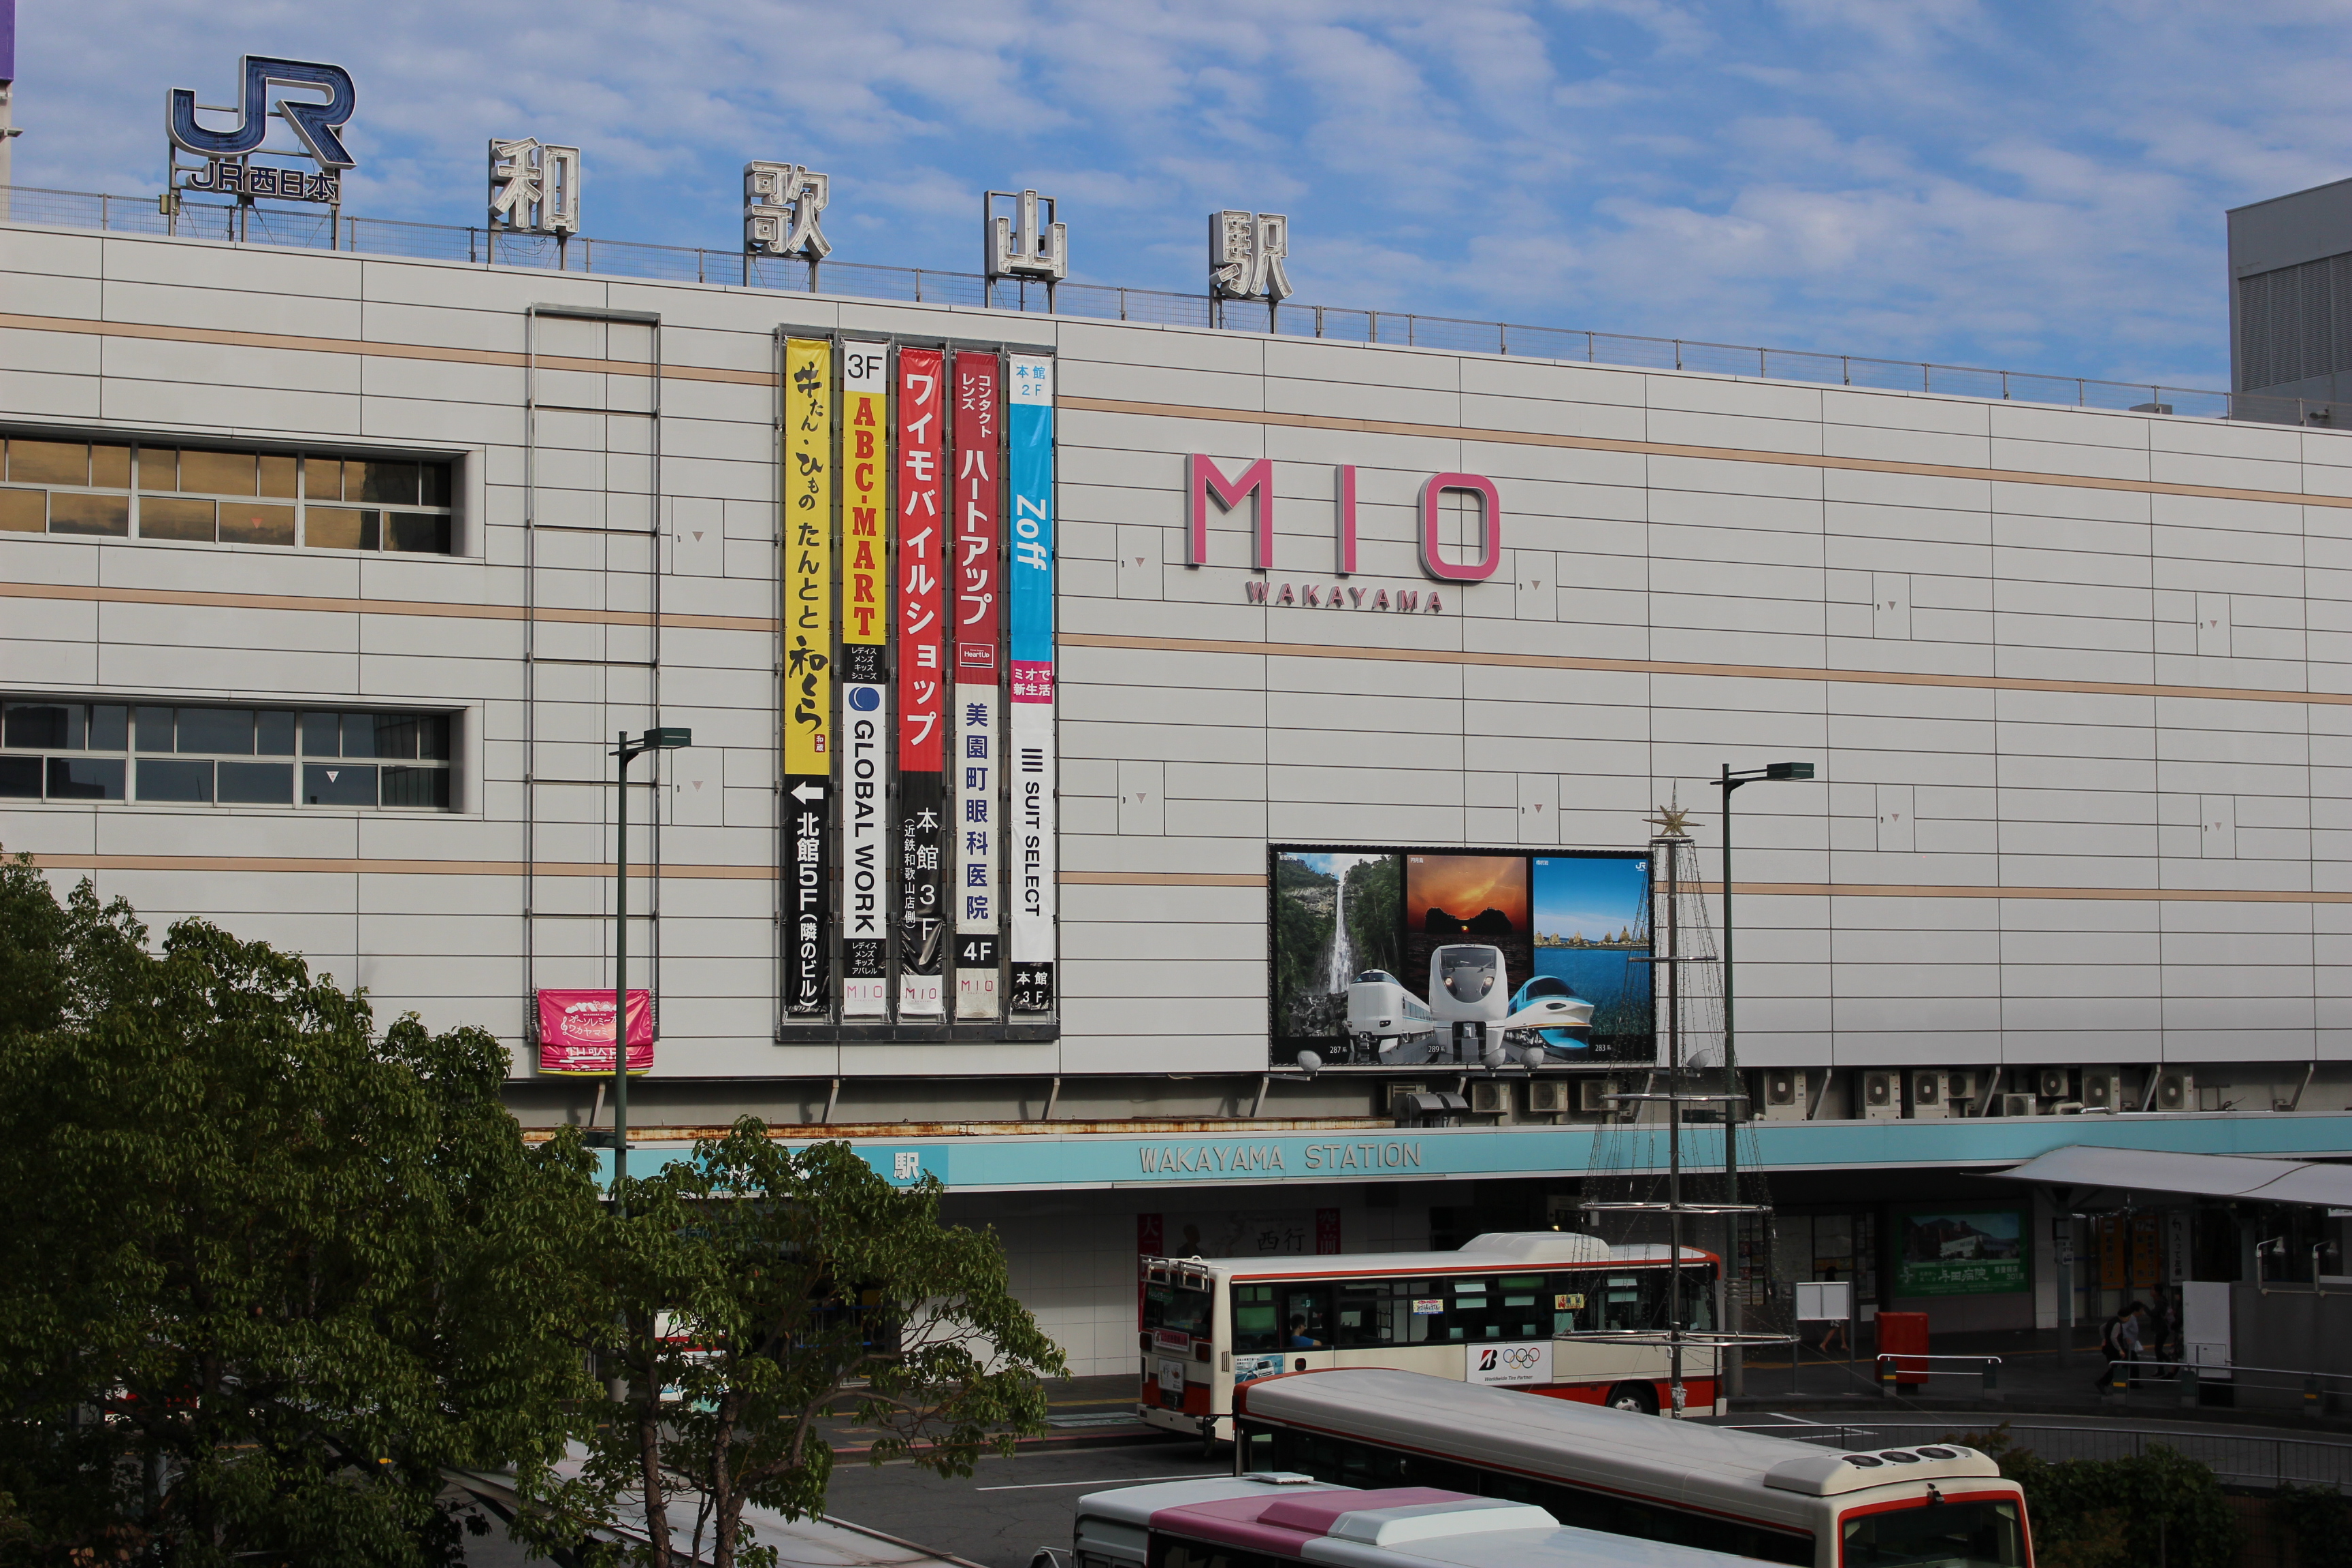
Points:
point(1472, 1310)
point(1174, 1552)
point(1409, 1324)
point(1306, 1313)
point(1522, 1313)
point(1698, 1298)
point(1621, 1301)
point(1364, 1320)
point(1574, 1300)
point(1255, 1329)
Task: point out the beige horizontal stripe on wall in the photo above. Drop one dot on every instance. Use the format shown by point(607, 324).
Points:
point(1676, 667)
point(508, 358)
point(448, 610)
point(316, 866)
point(501, 357)
point(1675, 449)
point(1163, 878)
point(355, 867)
point(1798, 889)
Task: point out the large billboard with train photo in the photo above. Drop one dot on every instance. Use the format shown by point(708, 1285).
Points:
point(1415, 958)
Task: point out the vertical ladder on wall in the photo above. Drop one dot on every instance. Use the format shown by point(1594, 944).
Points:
point(618, 390)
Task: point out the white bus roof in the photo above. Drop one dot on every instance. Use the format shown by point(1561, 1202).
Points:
point(1746, 1472)
point(1291, 1517)
point(1495, 1250)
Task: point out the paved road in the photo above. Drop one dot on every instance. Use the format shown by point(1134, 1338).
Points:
point(1007, 1508)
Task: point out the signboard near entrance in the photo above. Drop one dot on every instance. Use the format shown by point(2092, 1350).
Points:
point(1960, 1252)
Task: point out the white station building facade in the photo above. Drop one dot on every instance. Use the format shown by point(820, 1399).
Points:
point(1050, 678)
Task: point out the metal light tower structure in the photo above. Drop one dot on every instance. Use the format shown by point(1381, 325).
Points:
point(1674, 878)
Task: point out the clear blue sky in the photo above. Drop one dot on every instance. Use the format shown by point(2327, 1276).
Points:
point(1591, 896)
point(2032, 186)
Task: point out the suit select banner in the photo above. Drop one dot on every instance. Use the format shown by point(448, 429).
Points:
point(575, 1031)
point(1029, 579)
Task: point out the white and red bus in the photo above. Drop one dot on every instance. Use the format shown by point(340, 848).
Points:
point(1272, 1521)
point(1709, 1488)
point(1491, 1313)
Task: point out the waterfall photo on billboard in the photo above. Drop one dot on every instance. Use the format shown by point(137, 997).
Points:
point(1407, 958)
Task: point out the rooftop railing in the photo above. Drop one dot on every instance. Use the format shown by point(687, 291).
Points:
point(321, 228)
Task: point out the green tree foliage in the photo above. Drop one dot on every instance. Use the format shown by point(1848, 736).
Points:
point(753, 1291)
point(2318, 1520)
point(2118, 1514)
point(267, 1270)
point(1301, 942)
point(1375, 906)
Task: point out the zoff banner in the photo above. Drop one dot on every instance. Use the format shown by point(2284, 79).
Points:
point(808, 685)
point(575, 1032)
point(977, 740)
point(1029, 573)
point(865, 712)
point(923, 562)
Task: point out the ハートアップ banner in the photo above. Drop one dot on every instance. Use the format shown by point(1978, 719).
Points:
point(978, 738)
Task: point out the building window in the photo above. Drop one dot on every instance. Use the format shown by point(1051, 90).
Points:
point(225, 756)
point(208, 495)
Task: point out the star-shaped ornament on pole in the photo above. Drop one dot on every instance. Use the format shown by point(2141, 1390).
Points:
point(1673, 821)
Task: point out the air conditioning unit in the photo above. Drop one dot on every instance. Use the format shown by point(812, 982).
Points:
point(1961, 1092)
point(1546, 1096)
point(1490, 1096)
point(1398, 1093)
point(1784, 1093)
point(1593, 1096)
point(1927, 1093)
point(2175, 1089)
point(2102, 1088)
point(2052, 1083)
point(1882, 1094)
point(2017, 1105)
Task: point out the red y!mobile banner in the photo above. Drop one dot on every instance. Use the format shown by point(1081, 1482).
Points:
point(925, 556)
point(922, 558)
point(575, 1031)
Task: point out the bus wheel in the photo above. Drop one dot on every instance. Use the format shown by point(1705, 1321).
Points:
point(1637, 1397)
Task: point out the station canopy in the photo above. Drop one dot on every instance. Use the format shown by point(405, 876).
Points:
point(2089, 1169)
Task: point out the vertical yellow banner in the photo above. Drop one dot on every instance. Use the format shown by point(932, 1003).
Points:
point(808, 558)
point(865, 497)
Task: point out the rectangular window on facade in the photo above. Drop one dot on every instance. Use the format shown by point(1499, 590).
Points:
point(202, 755)
point(218, 495)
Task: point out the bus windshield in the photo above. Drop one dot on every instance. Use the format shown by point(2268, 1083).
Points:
point(1936, 1535)
point(1177, 1308)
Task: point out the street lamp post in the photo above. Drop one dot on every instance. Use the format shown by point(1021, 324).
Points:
point(1733, 1106)
point(628, 752)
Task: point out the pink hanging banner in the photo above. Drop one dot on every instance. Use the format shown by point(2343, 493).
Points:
point(575, 1032)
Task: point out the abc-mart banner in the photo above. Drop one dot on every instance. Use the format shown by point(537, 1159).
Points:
point(918, 558)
